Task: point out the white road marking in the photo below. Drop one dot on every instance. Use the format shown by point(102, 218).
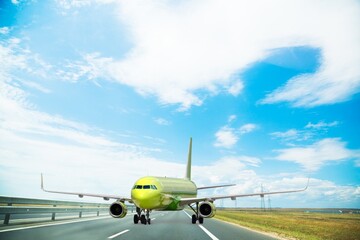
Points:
point(212, 236)
point(118, 234)
point(153, 219)
point(208, 232)
point(51, 224)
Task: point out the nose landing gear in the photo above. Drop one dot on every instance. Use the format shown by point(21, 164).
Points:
point(141, 217)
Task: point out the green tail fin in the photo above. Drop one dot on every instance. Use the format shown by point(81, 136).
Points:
point(188, 166)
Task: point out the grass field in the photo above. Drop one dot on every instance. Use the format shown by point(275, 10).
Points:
point(296, 224)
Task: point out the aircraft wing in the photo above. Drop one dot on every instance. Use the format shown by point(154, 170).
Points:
point(186, 201)
point(103, 196)
point(216, 186)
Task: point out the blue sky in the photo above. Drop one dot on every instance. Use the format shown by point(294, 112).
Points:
point(96, 94)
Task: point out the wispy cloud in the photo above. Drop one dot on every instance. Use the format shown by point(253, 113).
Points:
point(236, 88)
point(247, 128)
point(292, 135)
point(289, 134)
point(231, 118)
point(4, 30)
point(357, 163)
point(162, 121)
point(310, 131)
point(315, 156)
point(91, 67)
point(321, 125)
point(16, 2)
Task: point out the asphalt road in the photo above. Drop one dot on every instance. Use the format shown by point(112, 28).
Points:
point(164, 225)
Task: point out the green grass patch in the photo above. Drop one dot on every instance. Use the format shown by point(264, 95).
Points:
point(297, 224)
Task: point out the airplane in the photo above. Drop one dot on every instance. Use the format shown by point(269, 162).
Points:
point(167, 194)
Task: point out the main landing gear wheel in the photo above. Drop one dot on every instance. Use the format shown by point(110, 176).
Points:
point(143, 219)
point(136, 219)
point(148, 217)
point(196, 217)
point(193, 219)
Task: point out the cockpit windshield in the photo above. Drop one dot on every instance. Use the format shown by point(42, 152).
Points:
point(153, 187)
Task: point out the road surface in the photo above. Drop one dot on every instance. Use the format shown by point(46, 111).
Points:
point(164, 225)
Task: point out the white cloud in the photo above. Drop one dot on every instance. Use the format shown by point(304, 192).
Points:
point(321, 125)
point(310, 131)
point(4, 30)
point(250, 161)
point(177, 52)
point(231, 118)
point(314, 156)
point(70, 153)
point(33, 141)
point(236, 88)
point(226, 137)
point(67, 4)
point(162, 121)
point(247, 128)
point(291, 133)
point(92, 66)
point(229, 169)
point(249, 182)
point(357, 163)
point(9, 60)
point(317, 191)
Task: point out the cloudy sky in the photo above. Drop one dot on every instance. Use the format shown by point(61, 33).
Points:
point(96, 94)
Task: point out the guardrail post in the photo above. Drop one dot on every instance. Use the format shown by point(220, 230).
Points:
point(98, 211)
point(53, 215)
point(80, 213)
point(7, 216)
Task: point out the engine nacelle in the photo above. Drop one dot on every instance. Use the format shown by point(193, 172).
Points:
point(207, 209)
point(118, 210)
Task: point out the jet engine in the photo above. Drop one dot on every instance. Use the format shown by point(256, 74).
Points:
point(118, 209)
point(207, 209)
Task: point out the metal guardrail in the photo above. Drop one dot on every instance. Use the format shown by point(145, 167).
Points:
point(13, 205)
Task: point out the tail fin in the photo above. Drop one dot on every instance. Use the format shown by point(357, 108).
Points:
point(188, 166)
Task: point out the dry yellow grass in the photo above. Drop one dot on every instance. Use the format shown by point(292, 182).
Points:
point(297, 224)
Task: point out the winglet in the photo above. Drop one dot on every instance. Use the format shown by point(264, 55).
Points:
point(307, 185)
point(42, 182)
point(188, 166)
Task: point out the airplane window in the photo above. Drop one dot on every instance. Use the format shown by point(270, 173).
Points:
point(134, 187)
point(138, 186)
point(153, 187)
point(146, 187)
